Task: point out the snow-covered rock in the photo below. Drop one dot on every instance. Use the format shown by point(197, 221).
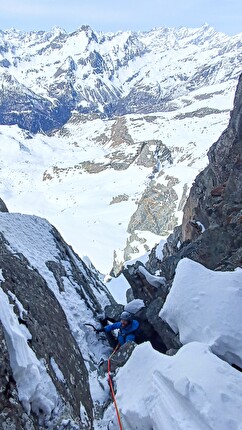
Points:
point(205, 305)
point(155, 281)
point(35, 388)
point(192, 390)
point(134, 306)
point(47, 296)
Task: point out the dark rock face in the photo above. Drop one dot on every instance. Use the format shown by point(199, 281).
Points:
point(113, 312)
point(51, 336)
point(19, 105)
point(152, 328)
point(216, 201)
point(141, 288)
point(119, 358)
point(3, 207)
point(164, 335)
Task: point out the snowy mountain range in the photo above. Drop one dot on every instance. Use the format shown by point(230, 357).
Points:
point(123, 121)
point(50, 74)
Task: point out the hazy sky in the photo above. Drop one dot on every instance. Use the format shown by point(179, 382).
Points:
point(114, 15)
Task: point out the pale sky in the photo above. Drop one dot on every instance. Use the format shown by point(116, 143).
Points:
point(114, 15)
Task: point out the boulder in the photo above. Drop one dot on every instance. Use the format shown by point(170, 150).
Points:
point(119, 358)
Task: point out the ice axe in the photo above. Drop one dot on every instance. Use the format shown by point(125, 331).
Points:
point(94, 328)
point(111, 339)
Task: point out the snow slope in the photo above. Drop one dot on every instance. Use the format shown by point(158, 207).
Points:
point(45, 176)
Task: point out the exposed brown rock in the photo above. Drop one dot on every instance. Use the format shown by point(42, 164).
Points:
point(155, 211)
point(119, 133)
point(218, 191)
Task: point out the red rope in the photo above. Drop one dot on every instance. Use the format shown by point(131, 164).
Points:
point(111, 387)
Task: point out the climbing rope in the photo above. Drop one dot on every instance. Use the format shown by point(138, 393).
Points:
point(111, 387)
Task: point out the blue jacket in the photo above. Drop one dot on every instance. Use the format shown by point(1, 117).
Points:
point(124, 331)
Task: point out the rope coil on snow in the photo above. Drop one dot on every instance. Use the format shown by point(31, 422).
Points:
point(112, 389)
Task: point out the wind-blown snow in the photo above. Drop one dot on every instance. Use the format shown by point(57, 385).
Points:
point(205, 305)
point(201, 226)
point(193, 390)
point(18, 303)
point(57, 370)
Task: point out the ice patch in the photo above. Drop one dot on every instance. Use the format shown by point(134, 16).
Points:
point(35, 388)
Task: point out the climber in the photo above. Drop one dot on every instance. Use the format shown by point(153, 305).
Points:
point(127, 326)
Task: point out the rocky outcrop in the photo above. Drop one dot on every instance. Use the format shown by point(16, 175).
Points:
point(120, 134)
point(211, 231)
point(118, 199)
point(130, 249)
point(155, 210)
point(119, 358)
point(51, 336)
point(153, 293)
point(43, 301)
point(215, 202)
point(200, 113)
point(156, 207)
